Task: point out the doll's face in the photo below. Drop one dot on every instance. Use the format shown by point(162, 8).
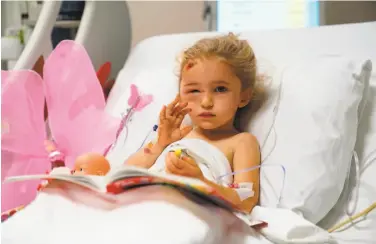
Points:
point(91, 164)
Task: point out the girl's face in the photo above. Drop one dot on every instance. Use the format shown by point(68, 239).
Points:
point(213, 92)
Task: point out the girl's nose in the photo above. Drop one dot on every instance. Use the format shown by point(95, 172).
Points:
point(207, 101)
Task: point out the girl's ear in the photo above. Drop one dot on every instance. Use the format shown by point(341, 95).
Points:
point(245, 97)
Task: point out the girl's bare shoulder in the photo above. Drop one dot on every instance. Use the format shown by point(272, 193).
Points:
point(244, 138)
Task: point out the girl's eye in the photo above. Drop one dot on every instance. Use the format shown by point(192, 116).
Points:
point(194, 91)
point(220, 89)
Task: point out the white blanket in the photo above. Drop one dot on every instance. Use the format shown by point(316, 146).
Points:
point(154, 214)
point(58, 217)
point(148, 215)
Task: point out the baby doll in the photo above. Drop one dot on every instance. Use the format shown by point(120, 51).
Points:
point(91, 164)
point(86, 164)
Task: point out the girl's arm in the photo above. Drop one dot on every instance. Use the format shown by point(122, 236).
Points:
point(169, 131)
point(247, 154)
point(146, 157)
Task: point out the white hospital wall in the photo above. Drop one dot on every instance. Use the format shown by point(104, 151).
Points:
point(150, 18)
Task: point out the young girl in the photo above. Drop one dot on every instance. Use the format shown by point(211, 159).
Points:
point(217, 80)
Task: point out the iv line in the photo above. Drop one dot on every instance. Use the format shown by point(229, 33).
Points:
point(257, 167)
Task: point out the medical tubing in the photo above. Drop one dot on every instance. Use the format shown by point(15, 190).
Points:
point(367, 161)
point(154, 129)
point(275, 111)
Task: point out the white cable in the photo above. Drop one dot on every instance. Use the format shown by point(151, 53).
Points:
point(368, 160)
point(346, 188)
point(275, 111)
point(362, 77)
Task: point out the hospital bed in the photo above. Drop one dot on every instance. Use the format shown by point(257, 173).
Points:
point(158, 54)
point(279, 47)
point(96, 32)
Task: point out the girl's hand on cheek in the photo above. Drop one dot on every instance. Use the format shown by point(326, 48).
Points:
point(170, 119)
point(184, 166)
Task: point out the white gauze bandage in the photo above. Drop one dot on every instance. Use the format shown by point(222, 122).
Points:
point(243, 189)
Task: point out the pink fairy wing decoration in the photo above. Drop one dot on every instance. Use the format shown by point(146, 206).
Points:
point(23, 134)
point(4, 78)
point(15, 194)
point(138, 101)
point(22, 109)
point(76, 103)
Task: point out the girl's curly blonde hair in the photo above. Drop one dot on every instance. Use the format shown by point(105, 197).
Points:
point(239, 55)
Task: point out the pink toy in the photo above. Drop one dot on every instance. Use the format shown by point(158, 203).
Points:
point(138, 101)
point(76, 118)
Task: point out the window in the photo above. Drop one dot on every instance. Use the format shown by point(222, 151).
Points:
point(243, 15)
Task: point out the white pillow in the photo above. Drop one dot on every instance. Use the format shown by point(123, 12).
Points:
point(360, 191)
point(314, 135)
point(163, 85)
point(315, 129)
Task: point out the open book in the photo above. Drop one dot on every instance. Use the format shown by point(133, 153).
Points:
point(127, 177)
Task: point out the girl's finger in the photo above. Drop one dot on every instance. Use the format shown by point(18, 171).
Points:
point(177, 162)
point(189, 161)
point(171, 106)
point(180, 117)
point(185, 111)
point(170, 166)
point(178, 108)
point(169, 169)
point(162, 114)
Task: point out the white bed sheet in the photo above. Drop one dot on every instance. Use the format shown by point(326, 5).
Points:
point(278, 47)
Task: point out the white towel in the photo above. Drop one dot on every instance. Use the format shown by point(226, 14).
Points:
point(212, 162)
